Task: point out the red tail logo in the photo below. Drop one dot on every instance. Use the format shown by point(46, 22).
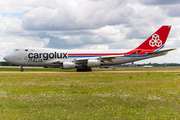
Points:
point(155, 41)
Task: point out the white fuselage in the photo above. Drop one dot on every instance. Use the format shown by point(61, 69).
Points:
point(54, 57)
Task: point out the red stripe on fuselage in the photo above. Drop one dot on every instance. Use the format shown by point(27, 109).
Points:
point(96, 54)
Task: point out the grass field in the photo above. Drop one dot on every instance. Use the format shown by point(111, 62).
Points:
point(92, 95)
point(94, 69)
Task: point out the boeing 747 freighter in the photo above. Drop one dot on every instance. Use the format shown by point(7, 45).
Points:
point(84, 60)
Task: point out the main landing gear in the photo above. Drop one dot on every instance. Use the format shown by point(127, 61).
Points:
point(21, 69)
point(84, 69)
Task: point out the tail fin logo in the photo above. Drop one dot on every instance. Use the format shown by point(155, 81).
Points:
point(155, 41)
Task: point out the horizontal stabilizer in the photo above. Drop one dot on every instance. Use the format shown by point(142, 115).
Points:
point(162, 51)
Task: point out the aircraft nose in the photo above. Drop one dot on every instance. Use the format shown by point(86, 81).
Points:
point(8, 58)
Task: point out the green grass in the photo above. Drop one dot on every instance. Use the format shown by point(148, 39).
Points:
point(37, 69)
point(139, 69)
point(96, 69)
point(72, 95)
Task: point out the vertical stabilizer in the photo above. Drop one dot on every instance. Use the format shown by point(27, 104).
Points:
point(155, 42)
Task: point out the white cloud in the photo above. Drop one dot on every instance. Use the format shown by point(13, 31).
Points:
point(97, 47)
point(22, 6)
point(159, 2)
point(10, 25)
point(104, 35)
point(76, 15)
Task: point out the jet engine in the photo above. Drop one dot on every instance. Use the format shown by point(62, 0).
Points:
point(94, 63)
point(68, 65)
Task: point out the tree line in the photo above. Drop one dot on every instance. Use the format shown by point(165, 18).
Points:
point(7, 64)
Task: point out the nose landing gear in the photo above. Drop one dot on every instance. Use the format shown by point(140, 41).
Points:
point(21, 69)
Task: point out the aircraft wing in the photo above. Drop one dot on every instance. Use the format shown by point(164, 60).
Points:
point(102, 58)
point(162, 51)
point(84, 60)
point(109, 58)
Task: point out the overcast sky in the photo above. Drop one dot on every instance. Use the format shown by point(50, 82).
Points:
point(88, 24)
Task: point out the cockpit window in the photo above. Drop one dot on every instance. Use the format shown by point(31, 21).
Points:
point(16, 50)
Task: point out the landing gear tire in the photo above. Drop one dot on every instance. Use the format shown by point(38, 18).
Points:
point(85, 69)
point(89, 69)
point(21, 69)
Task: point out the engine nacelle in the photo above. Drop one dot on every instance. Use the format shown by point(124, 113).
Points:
point(68, 65)
point(94, 63)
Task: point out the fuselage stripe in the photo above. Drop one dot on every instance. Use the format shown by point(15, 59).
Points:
point(102, 55)
point(74, 54)
point(85, 55)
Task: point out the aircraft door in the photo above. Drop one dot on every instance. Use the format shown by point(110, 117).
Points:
point(26, 56)
point(20, 57)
